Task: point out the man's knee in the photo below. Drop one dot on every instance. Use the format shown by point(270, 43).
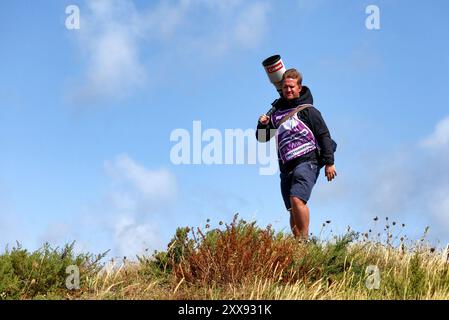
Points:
point(297, 202)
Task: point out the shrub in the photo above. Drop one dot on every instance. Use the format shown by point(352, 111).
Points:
point(27, 275)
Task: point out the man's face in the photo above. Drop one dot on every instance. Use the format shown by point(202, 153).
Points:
point(291, 89)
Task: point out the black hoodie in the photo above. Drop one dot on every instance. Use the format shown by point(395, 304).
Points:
point(313, 119)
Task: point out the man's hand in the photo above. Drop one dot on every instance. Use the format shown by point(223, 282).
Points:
point(330, 172)
point(264, 119)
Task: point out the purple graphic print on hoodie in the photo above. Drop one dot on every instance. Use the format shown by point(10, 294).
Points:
point(293, 137)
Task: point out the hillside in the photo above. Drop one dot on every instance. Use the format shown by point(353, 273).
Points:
point(238, 260)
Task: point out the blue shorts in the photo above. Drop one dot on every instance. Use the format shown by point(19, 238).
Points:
point(299, 182)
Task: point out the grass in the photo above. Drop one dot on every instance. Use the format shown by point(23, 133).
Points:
point(238, 260)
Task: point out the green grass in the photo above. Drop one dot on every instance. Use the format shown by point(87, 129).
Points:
point(238, 260)
point(42, 274)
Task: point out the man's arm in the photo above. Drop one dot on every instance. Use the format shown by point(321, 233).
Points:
point(322, 135)
point(264, 130)
point(324, 140)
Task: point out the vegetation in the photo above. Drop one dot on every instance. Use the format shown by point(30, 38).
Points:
point(238, 261)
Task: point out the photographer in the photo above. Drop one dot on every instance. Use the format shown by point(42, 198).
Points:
point(304, 145)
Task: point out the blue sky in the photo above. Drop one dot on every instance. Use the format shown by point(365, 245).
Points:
point(86, 115)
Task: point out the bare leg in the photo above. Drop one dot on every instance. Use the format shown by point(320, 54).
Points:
point(299, 218)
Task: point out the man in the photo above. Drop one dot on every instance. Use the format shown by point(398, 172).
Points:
point(304, 144)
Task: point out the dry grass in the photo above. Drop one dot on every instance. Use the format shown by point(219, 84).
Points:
point(242, 261)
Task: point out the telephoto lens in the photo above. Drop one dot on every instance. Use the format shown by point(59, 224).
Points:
point(274, 67)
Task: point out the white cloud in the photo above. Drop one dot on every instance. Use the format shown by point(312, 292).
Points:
point(109, 36)
point(395, 185)
point(138, 199)
point(133, 182)
point(238, 26)
point(435, 147)
point(439, 206)
point(383, 185)
point(164, 20)
point(439, 138)
point(410, 184)
point(251, 25)
point(133, 237)
point(126, 218)
point(119, 40)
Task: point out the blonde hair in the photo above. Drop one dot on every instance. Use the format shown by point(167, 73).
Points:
point(292, 74)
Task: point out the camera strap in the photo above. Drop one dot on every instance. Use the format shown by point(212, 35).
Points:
point(298, 109)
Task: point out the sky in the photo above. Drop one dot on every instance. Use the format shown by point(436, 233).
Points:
point(90, 116)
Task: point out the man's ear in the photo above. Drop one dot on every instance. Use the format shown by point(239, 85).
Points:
point(300, 87)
